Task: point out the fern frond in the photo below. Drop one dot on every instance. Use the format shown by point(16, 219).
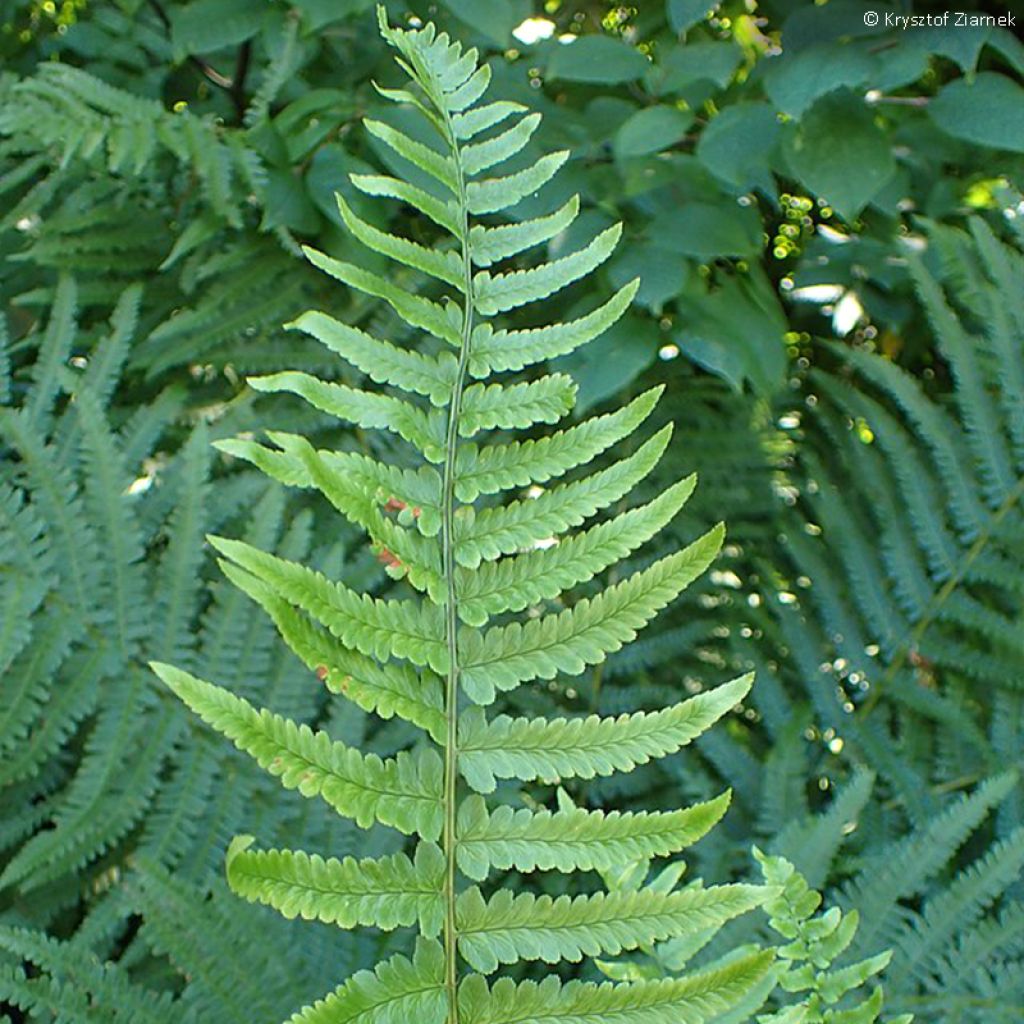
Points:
point(502, 530)
point(901, 870)
point(982, 428)
point(398, 989)
point(404, 792)
point(695, 999)
point(559, 748)
point(439, 166)
point(482, 156)
point(815, 943)
point(487, 470)
point(504, 657)
point(385, 689)
point(413, 309)
point(443, 214)
point(502, 292)
point(490, 245)
point(471, 123)
point(515, 349)
point(492, 195)
point(54, 350)
point(428, 655)
point(938, 433)
point(77, 986)
point(574, 840)
point(508, 928)
point(513, 583)
point(516, 406)
point(381, 361)
point(361, 408)
point(380, 629)
point(954, 909)
point(393, 892)
point(445, 266)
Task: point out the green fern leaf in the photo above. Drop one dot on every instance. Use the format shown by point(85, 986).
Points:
point(486, 470)
point(430, 657)
point(488, 246)
point(512, 350)
point(504, 657)
point(574, 840)
point(404, 792)
point(413, 309)
point(508, 928)
point(473, 122)
point(559, 748)
point(54, 350)
point(502, 292)
point(528, 578)
point(380, 629)
point(381, 361)
point(507, 528)
point(443, 214)
point(387, 690)
point(445, 267)
point(500, 406)
point(396, 990)
point(482, 156)
point(437, 165)
point(393, 892)
point(696, 999)
point(362, 408)
point(492, 195)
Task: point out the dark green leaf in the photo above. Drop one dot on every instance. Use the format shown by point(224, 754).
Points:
point(662, 273)
point(208, 25)
point(988, 111)
point(736, 331)
point(707, 231)
point(683, 66)
point(495, 19)
point(598, 59)
point(684, 14)
point(318, 13)
point(651, 130)
point(287, 203)
point(737, 144)
point(606, 366)
point(795, 81)
point(840, 154)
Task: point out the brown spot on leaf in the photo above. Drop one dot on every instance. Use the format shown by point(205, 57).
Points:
point(388, 558)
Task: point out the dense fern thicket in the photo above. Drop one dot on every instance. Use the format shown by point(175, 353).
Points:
point(103, 567)
point(839, 357)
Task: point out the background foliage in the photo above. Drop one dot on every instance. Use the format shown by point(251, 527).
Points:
point(825, 219)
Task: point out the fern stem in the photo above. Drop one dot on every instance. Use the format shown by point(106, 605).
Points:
point(451, 701)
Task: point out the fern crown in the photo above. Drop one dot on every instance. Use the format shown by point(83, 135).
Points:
point(474, 558)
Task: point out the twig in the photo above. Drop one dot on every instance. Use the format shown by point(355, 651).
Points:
point(235, 87)
point(899, 101)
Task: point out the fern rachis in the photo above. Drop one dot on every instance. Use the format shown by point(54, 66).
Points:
point(441, 655)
